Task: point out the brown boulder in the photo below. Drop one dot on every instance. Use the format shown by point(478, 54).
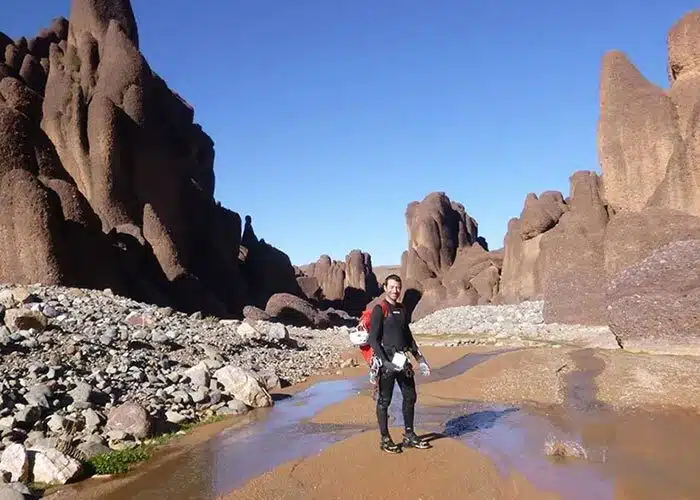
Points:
point(654, 305)
point(132, 165)
point(292, 310)
point(541, 214)
point(255, 314)
point(115, 177)
point(330, 275)
point(637, 133)
point(95, 16)
point(437, 228)
point(267, 269)
point(486, 283)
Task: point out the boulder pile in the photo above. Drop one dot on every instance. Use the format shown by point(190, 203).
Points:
point(86, 372)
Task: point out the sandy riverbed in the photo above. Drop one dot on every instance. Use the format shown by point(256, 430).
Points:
point(636, 416)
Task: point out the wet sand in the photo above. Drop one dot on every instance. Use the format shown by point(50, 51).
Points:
point(491, 414)
point(356, 469)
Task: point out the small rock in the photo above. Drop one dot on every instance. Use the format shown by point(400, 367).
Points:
point(243, 385)
point(175, 417)
point(14, 460)
point(198, 375)
point(81, 393)
point(56, 424)
point(25, 319)
point(92, 449)
point(14, 491)
point(131, 418)
point(248, 332)
point(53, 467)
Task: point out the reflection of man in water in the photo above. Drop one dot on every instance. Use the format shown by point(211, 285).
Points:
point(392, 341)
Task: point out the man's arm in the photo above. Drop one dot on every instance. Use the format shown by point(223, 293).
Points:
point(422, 362)
point(376, 331)
point(411, 341)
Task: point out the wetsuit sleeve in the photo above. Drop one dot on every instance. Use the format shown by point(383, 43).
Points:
point(412, 342)
point(376, 331)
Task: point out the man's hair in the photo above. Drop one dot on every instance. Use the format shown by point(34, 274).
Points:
point(392, 277)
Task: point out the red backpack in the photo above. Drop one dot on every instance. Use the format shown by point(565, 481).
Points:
point(364, 325)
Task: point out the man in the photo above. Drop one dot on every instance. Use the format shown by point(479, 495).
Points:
point(391, 340)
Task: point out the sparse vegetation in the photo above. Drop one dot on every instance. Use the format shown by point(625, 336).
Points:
point(120, 461)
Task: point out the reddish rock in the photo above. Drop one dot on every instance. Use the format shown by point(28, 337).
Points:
point(310, 287)
point(632, 236)
point(445, 254)
point(293, 310)
point(130, 417)
point(654, 305)
point(521, 277)
point(572, 259)
point(255, 314)
point(347, 285)
point(648, 138)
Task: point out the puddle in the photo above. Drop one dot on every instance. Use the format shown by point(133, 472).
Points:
point(283, 436)
point(643, 454)
point(514, 439)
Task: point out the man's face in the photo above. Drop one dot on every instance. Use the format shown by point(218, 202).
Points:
point(393, 289)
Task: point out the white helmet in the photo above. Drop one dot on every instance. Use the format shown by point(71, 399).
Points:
point(359, 337)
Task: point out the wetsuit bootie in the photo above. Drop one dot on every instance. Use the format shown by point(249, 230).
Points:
point(388, 445)
point(410, 440)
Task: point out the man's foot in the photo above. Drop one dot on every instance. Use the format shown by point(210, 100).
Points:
point(410, 440)
point(388, 445)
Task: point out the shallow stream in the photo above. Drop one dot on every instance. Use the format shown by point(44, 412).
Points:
point(638, 455)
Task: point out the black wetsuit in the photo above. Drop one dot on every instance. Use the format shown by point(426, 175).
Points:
point(386, 337)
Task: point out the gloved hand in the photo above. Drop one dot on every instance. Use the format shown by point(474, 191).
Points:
point(423, 366)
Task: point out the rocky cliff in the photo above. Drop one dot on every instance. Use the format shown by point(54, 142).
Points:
point(107, 181)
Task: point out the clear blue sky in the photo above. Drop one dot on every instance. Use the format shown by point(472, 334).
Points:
point(330, 116)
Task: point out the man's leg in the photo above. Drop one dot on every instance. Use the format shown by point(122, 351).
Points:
point(385, 384)
point(408, 390)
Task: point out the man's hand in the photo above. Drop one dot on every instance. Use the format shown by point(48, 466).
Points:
point(423, 366)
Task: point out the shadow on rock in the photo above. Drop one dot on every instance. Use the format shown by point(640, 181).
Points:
point(473, 422)
point(410, 300)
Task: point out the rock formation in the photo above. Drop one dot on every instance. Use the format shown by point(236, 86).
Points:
point(554, 251)
point(592, 256)
point(522, 278)
point(347, 285)
point(654, 305)
point(106, 180)
point(647, 136)
point(648, 139)
point(447, 263)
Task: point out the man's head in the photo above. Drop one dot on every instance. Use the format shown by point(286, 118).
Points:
point(392, 287)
